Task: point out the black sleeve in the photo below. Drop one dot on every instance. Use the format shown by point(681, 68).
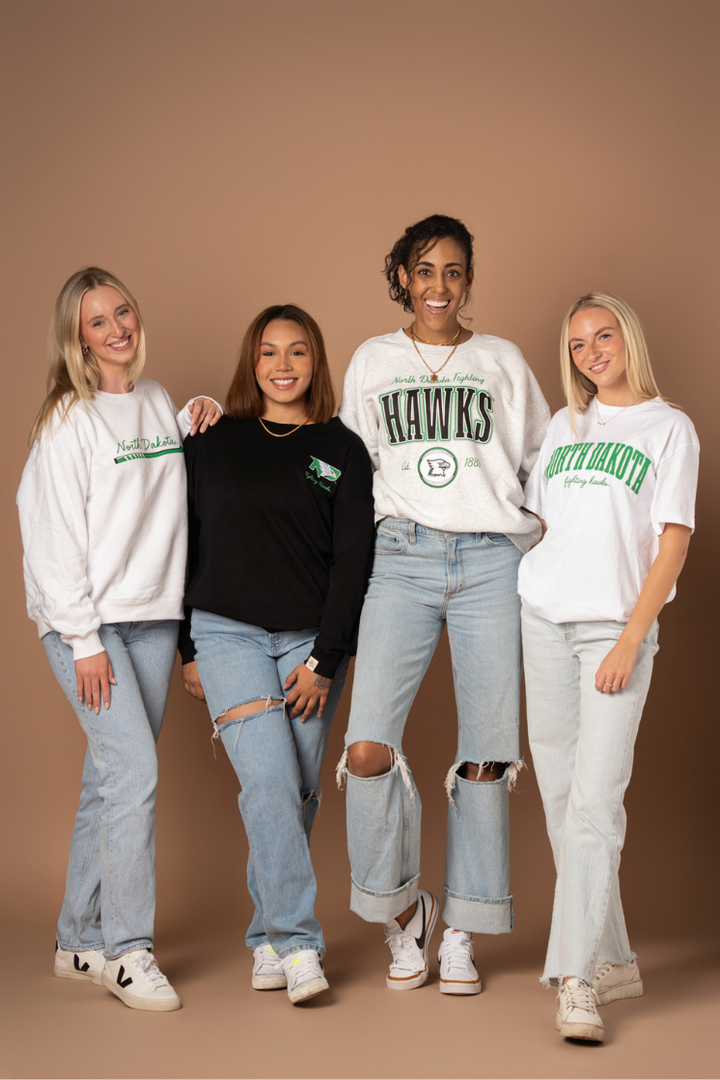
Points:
point(186, 646)
point(353, 541)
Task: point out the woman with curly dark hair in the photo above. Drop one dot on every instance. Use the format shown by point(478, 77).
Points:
point(453, 421)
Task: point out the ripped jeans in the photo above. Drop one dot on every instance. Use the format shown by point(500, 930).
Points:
point(422, 579)
point(278, 761)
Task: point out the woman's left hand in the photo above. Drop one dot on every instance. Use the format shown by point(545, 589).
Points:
point(309, 692)
point(615, 671)
point(205, 413)
point(191, 681)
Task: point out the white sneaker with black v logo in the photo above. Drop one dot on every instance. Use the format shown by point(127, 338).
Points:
point(409, 947)
point(137, 980)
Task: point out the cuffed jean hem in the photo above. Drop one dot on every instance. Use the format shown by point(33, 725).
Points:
point(478, 914)
point(382, 907)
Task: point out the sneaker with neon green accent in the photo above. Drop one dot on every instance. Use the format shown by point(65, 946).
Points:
point(267, 969)
point(304, 974)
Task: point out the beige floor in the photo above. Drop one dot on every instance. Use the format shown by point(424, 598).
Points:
point(55, 1028)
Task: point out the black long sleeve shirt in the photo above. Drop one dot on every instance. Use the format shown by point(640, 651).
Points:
point(281, 530)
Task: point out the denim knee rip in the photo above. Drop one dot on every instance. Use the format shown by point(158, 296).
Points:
point(397, 764)
point(510, 775)
point(238, 721)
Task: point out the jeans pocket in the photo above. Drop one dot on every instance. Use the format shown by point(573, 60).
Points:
point(497, 539)
point(389, 543)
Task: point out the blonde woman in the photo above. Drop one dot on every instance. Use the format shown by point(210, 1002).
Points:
point(104, 526)
point(614, 486)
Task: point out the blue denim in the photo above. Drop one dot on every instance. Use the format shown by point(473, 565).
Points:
point(582, 746)
point(423, 579)
point(278, 761)
point(109, 900)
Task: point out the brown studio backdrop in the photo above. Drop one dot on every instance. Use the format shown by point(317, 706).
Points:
point(223, 156)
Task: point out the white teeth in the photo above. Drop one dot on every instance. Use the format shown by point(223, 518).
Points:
point(437, 303)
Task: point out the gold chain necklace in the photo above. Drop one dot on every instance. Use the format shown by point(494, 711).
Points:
point(434, 372)
point(452, 340)
point(284, 434)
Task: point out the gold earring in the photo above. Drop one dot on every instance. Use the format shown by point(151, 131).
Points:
point(85, 349)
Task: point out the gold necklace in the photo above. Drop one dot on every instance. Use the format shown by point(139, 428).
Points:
point(439, 343)
point(284, 434)
point(610, 419)
point(434, 372)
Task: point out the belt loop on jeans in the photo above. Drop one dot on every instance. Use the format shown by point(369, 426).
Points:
point(411, 532)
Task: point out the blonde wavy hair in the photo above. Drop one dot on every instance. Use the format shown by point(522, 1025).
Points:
point(73, 376)
point(579, 390)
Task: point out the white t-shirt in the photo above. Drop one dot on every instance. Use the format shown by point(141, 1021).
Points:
point(606, 497)
point(452, 454)
point(103, 516)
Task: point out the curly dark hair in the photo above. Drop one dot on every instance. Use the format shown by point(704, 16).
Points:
point(415, 241)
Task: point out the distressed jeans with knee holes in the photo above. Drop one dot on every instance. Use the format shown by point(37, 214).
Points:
point(277, 760)
point(422, 579)
point(582, 747)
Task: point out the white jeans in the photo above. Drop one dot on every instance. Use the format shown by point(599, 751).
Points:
point(582, 746)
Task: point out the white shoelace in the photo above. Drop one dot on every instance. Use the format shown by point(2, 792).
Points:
point(604, 969)
point(579, 996)
point(306, 965)
point(151, 971)
point(404, 949)
point(457, 952)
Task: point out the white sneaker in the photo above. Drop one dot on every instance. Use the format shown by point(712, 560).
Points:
point(614, 982)
point(268, 972)
point(137, 980)
point(410, 946)
point(577, 1015)
point(458, 974)
point(304, 973)
point(86, 965)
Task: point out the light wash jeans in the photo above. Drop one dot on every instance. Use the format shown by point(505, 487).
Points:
point(423, 578)
point(109, 900)
point(278, 761)
point(582, 746)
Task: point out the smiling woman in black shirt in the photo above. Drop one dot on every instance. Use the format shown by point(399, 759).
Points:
point(281, 536)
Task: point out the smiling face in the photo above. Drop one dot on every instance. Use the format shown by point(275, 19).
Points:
point(109, 327)
point(284, 371)
point(597, 347)
point(437, 286)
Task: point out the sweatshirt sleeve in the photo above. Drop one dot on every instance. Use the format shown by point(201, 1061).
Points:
point(537, 419)
point(51, 501)
point(353, 413)
point(353, 539)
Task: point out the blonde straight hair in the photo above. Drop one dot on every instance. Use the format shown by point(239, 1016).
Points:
point(579, 390)
point(74, 377)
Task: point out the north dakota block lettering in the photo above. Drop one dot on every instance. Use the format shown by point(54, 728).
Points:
point(616, 459)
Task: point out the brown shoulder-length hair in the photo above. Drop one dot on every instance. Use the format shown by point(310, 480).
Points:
point(244, 400)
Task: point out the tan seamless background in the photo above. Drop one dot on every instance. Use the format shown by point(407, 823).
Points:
point(221, 156)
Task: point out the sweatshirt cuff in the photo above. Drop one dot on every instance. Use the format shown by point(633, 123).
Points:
point(328, 661)
point(83, 647)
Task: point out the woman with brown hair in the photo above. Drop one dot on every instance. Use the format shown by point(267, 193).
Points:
point(281, 536)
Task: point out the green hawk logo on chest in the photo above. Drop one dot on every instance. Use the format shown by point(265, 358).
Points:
point(322, 470)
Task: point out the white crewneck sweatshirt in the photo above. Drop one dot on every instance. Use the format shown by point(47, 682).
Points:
point(103, 516)
point(453, 454)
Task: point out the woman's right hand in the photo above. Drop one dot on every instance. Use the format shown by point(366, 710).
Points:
point(94, 676)
point(191, 680)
